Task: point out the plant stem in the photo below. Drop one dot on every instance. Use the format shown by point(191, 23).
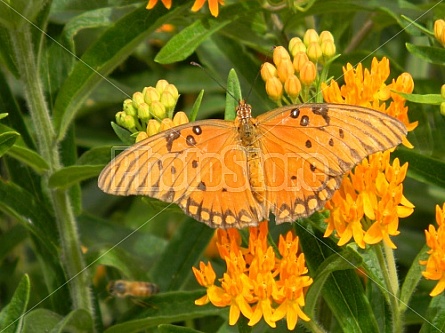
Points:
point(71, 256)
point(389, 270)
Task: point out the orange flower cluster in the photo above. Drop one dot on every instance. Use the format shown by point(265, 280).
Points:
point(213, 5)
point(435, 264)
point(257, 283)
point(370, 201)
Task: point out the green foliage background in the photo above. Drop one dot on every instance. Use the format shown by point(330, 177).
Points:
point(67, 65)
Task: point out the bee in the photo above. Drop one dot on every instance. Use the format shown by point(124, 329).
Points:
point(123, 288)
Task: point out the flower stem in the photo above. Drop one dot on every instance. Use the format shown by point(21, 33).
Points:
point(389, 270)
point(71, 256)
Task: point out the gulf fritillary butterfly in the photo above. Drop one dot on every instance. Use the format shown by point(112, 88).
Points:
point(288, 161)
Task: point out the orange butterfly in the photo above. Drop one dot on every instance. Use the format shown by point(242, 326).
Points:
point(288, 161)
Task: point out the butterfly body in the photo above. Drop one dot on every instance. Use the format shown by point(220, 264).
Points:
point(288, 161)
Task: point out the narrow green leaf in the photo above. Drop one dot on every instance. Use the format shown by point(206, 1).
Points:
point(167, 328)
point(183, 44)
point(77, 321)
point(7, 140)
point(430, 54)
point(233, 95)
point(431, 99)
point(412, 279)
point(40, 321)
point(181, 254)
point(168, 308)
point(13, 321)
point(29, 157)
point(422, 168)
point(95, 156)
point(435, 317)
point(74, 174)
point(102, 57)
point(196, 105)
point(3, 115)
point(123, 134)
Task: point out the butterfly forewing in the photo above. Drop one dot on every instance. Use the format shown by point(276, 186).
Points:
point(307, 149)
point(199, 166)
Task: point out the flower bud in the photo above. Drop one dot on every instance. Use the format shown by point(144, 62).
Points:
point(168, 100)
point(442, 108)
point(180, 118)
point(439, 31)
point(314, 51)
point(144, 111)
point(129, 107)
point(280, 54)
point(292, 87)
point(296, 45)
point(161, 85)
point(141, 136)
point(299, 60)
point(326, 36)
point(308, 73)
point(150, 95)
point(310, 36)
point(137, 98)
point(405, 82)
point(157, 109)
point(327, 49)
point(267, 71)
point(171, 88)
point(129, 122)
point(120, 116)
point(442, 91)
point(274, 88)
point(166, 124)
point(153, 127)
point(285, 69)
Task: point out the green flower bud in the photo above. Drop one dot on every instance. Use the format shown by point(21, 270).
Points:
point(157, 109)
point(150, 95)
point(144, 111)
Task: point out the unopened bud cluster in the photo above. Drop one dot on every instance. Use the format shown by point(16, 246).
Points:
point(296, 68)
point(150, 111)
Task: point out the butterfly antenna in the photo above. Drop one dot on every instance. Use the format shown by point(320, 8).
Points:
point(213, 78)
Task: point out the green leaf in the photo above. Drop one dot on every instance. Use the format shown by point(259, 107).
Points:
point(181, 254)
point(7, 140)
point(196, 105)
point(168, 308)
point(74, 174)
point(77, 321)
point(184, 43)
point(3, 115)
point(421, 167)
point(29, 157)
point(434, 320)
point(13, 320)
point(430, 99)
point(430, 54)
point(22, 205)
point(40, 321)
point(123, 134)
point(412, 279)
point(342, 290)
point(96, 156)
point(167, 328)
point(102, 57)
point(233, 95)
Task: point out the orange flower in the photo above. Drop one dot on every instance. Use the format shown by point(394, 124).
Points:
point(151, 3)
point(435, 264)
point(213, 5)
point(370, 201)
point(257, 283)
